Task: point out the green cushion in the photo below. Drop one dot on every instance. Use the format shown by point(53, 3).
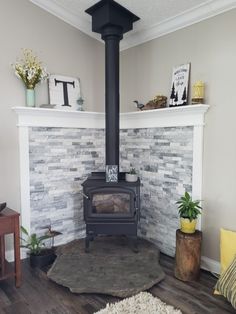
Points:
point(226, 285)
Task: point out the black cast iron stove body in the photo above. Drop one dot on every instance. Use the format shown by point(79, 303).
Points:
point(111, 208)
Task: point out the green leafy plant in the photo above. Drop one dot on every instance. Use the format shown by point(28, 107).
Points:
point(132, 171)
point(32, 242)
point(188, 208)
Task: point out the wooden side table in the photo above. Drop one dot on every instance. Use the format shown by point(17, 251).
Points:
point(9, 223)
point(188, 255)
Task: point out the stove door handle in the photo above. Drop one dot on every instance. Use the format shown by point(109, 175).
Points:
point(84, 195)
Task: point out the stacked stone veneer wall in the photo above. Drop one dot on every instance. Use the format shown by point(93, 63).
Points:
point(57, 157)
point(162, 156)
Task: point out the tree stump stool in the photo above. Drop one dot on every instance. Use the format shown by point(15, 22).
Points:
point(188, 255)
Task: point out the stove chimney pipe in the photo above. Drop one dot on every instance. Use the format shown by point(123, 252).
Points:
point(111, 20)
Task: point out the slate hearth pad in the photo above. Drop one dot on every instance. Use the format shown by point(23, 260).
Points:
point(111, 267)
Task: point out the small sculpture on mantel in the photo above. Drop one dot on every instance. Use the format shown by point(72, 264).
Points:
point(157, 102)
point(139, 105)
point(80, 103)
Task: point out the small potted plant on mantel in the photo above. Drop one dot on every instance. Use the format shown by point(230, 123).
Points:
point(189, 211)
point(131, 176)
point(39, 255)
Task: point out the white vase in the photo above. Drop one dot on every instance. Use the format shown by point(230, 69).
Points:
point(131, 177)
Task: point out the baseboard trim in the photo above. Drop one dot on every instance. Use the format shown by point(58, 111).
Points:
point(210, 265)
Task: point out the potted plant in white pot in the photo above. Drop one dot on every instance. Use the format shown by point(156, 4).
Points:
point(189, 210)
point(131, 176)
point(39, 255)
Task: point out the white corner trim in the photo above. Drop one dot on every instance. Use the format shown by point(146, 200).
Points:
point(76, 20)
point(24, 178)
point(210, 265)
point(197, 167)
point(197, 14)
point(192, 115)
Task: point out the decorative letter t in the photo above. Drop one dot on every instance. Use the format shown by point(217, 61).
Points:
point(65, 91)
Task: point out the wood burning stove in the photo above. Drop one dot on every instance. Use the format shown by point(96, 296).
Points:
point(111, 208)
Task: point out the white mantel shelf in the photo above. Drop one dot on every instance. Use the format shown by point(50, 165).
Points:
point(192, 115)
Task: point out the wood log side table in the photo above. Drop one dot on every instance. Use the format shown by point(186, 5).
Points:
point(188, 255)
point(9, 223)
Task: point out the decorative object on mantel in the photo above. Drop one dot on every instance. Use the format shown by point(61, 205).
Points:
point(48, 106)
point(64, 91)
point(142, 303)
point(80, 103)
point(157, 102)
point(180, 83)
point(31, 71)
point(138, 104)
point(39, 255)
point(111, 267)
point(131, 176)
point(198, 93)
point(2, 206)
point(188, 212)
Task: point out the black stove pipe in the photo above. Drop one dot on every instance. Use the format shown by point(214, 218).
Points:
point(111, 20)
point(112, 37)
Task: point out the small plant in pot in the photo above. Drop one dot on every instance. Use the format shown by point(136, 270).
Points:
point(131, 176)
point(188, 212)
point(39, 255)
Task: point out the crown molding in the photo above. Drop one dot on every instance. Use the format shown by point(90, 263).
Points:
point(197, 14)
point(187, 18)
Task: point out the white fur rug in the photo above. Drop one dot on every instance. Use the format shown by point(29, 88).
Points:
point(141, 303)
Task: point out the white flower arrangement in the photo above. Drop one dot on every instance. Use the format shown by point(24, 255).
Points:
point(30, 69)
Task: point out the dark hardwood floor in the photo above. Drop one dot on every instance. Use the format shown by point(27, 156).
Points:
point(38, 295)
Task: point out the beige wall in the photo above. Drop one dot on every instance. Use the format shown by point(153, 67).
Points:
point(210, 46)
point(64, 50)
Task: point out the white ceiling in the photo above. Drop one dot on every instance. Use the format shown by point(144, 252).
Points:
point(157, 17)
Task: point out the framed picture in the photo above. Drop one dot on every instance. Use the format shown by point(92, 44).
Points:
point(179, 86)
point(111, 173)
point(64, 92)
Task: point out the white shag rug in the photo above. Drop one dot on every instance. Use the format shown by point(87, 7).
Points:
point(142, 303)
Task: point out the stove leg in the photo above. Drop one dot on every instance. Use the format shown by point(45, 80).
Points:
point(134, 241)
point(87, 244)
point(89, 237)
